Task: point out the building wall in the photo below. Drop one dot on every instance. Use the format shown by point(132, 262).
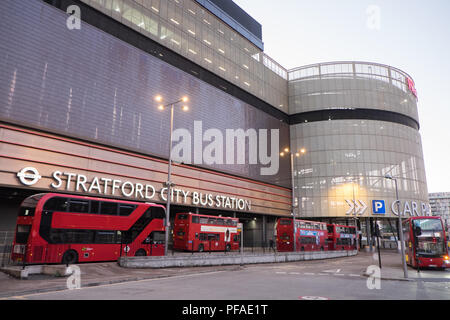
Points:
point(88, 84)
point(72, 166)
point(347, 159)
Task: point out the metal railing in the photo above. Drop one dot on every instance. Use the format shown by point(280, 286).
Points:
point(6, 246)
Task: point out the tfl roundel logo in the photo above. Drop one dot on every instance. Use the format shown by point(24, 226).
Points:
point(29, 176)
point(379, 207)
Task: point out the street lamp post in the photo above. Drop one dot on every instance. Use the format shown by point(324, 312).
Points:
point(400, 227)
point(297, 154)
point(169, 169)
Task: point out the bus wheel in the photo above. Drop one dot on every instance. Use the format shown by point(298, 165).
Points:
point(228, 248)
point(201, 248)
point(70, 257)
point(140, 253)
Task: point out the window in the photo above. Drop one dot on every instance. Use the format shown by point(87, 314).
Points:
point(203, 237)
point(212, 221)
point(182, 216)
point(56, 204)
point(285, 222)
point(195, 219)
point(105, 237)
point(79, 206)
point(95, 206)
point(203, 220)
point(158, 212)
point(156, 237)
point(221, 221)
point(71, 236)
point(108, 208)
point(23, 231)
point(79, 236)
point(126, 209)
point(213, 237)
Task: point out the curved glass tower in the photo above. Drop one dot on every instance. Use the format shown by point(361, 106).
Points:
point(358, 122)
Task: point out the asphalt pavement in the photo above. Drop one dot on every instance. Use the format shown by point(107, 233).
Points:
point(341, 278)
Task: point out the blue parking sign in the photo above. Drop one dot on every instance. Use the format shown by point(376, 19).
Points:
point(378, 207)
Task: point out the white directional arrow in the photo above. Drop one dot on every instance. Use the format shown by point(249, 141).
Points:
point(350, 203)
point(364, 207)
point(357, 207)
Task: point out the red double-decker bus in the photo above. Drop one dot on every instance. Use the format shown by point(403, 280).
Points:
point(198, 232)
point(310, 235)
point(341, 237)
point(60, 228)
point(426, 242)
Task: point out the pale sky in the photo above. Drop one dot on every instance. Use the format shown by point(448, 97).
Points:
point(413, 35)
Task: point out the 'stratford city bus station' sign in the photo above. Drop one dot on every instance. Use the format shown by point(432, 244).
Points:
point(113, 187)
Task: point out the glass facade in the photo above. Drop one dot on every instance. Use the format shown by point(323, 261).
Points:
point(351, 84)
point(347, 159)
point(195, 33)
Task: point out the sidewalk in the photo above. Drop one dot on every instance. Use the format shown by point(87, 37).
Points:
point(392, 269)
point(93, 274)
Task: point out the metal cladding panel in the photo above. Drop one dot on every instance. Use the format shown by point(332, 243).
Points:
point(87, 84)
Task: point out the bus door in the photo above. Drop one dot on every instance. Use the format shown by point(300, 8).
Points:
point(154, 243)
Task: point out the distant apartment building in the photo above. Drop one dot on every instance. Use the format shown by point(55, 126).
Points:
point(440, 206)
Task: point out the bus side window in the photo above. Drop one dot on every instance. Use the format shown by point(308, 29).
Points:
point(56, 204)
point(126, 209)
point(109, 208)
point(95, 206)
point(158, 213)
point(80, 206)
point(194, 219)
